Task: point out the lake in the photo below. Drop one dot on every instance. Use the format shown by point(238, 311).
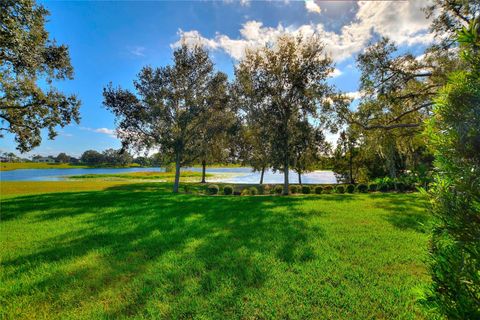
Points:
point(228, 175)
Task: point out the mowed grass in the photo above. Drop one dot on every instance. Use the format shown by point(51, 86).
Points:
point(138, 251)
point(12, 188)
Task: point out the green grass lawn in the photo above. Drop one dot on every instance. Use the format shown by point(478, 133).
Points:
point(138, 251)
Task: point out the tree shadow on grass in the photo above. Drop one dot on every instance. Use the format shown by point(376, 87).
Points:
point(405, 211)
point(148, 244)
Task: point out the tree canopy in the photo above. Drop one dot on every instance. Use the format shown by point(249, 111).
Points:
point(282, 85)
point(168, 109)
point(28, 57)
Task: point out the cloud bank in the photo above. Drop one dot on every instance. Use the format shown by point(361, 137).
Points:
point(404, 22)
point(312, 6)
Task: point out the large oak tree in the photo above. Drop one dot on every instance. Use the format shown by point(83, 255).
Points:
point(28, 57)
point(283, 84)
point(167, 111)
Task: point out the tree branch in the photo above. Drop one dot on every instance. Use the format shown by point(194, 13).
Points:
point(425, 105)
point(387, 127)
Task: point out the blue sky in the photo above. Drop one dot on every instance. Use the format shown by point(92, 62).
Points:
point(111, 41)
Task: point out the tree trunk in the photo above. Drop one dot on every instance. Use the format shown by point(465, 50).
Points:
point(285, 178)
point(204, 165)
point(300, 178)
point(177, 173)
point(391, 167)
point(393, 174)
point(351, 168)
point(286, 165)
point(261, 175)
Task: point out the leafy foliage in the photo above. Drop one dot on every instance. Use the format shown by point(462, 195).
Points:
point(212, 189)
point(245, 192)
point(170, 106)
point(340, 189)
point(278, 189)
point(227, 190)
point(362, 188)
point(293, 189)
point(306, 189)
point(327, 189)
point(92, 157)
point(455, 195)
point(284, 86)
point(27, 57)
point(350, 188)
point(253, 191)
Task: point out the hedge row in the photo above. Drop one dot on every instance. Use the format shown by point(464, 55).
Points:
point(214, 189)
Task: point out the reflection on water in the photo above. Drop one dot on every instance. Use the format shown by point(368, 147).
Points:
point(228, 175)
point(245, 175)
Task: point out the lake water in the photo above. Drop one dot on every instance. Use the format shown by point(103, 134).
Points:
point(228, 175)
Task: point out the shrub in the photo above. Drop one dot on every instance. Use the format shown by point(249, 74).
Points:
point(318, 190)
point(401, 186)
point(278, 189)
point(227, 190)
point(340, 189)
point(350, 188)
point(328, 189)
point(267, 189)
point(293, 189)
point(245, 192)
point(410, 186)
point(306, 189)
point(186, 189)
point(454, 196)
point(363, 188)
point(383, 187)
point(261, 189)
point(212, 189)
point(372, 187)
point(385, 184)
point(253, 191)
point(237, 193)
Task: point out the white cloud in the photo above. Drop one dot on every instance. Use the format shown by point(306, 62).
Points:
point(64, 134)
point(109, 132)
point(194, 38)
point(402, 21)
point(336, 73)
point(137, 51)
point(243, 3)
point(312, 6)
point(354, 95)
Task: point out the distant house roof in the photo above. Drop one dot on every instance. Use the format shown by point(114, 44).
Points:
point(44, 159)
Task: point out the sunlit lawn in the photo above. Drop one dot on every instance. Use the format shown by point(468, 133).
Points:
point(139, 251)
